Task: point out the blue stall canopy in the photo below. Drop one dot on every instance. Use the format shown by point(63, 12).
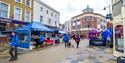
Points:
point(35, 26)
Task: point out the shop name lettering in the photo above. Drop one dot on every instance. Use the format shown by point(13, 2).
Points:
point(7, 20)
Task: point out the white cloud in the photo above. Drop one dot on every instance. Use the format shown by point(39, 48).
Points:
point(70, 8)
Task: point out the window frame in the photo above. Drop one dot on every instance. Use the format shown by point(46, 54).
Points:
point(25, 16)
point(41, 8)
point(20, 14)
point(40, 18)
point(47, 12)
point(30, 3)
point(52, 14)
point(18, 2)
point(8, 16)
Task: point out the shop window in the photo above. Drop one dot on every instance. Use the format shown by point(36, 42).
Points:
point(2, 26)
point(119, 39)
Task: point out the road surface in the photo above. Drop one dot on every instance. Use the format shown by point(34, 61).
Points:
point(60, 54)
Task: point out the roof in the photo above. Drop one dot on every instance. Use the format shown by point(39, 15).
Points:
point(53, 27)
point(87, 13)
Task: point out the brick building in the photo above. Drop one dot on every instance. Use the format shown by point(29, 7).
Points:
point(15, 13)
point(88, 21)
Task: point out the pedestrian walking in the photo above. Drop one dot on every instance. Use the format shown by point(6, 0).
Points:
point(66, 39)
point(13, 47)
point(41, 40)
point(77, 40)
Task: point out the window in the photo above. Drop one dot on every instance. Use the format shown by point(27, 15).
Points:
point(55, 22)
point(17, 13)
point(27, 16)
point(19, 1)
point(49, 21)
point(41, 8)
point(85, 18)
point(46, 11)
point(28, 2)
point(116, 8)
point(55, 16)
point(98, 20)
point(89, 18)
point(89, 25)
point(2, 26)
point(119, 38)
point(4, 10)
point(41, 18)
point(51, 13)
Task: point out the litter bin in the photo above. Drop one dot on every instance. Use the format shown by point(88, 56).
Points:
point(121, 59)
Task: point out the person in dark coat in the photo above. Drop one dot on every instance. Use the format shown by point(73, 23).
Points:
point(77, 40)
point(13, 47)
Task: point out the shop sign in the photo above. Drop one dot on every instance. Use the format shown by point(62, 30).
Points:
point(5, 20)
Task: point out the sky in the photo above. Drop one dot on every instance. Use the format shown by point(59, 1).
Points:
point(70, 8)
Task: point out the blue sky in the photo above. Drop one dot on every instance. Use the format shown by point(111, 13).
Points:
point(70, 8)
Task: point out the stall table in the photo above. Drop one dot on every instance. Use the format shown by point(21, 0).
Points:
point(49, 41)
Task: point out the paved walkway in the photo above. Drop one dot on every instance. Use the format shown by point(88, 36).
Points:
point(60, 54)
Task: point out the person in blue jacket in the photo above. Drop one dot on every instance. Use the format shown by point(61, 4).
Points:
point(13, 47)
point(41, 40)
point(66, 39)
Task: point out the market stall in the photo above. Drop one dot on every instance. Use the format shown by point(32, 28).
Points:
point(95, 39)
point(25, 33)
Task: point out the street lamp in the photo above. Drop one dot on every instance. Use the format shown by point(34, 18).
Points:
point(109, 7)
point(109, 17)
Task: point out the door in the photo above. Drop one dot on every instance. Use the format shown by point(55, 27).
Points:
point(24, 38)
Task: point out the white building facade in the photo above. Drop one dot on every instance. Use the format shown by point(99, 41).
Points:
point(45, 14)
point(67, 26)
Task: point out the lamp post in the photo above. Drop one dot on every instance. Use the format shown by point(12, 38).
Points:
point(109, 17)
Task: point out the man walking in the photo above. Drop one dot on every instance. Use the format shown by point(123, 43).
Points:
point(13, 47)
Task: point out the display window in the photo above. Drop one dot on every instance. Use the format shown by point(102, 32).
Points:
point(119, 38)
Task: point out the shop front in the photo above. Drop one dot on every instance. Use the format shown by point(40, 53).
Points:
point(119, 49)
point(8, 24)
point(119, 31)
